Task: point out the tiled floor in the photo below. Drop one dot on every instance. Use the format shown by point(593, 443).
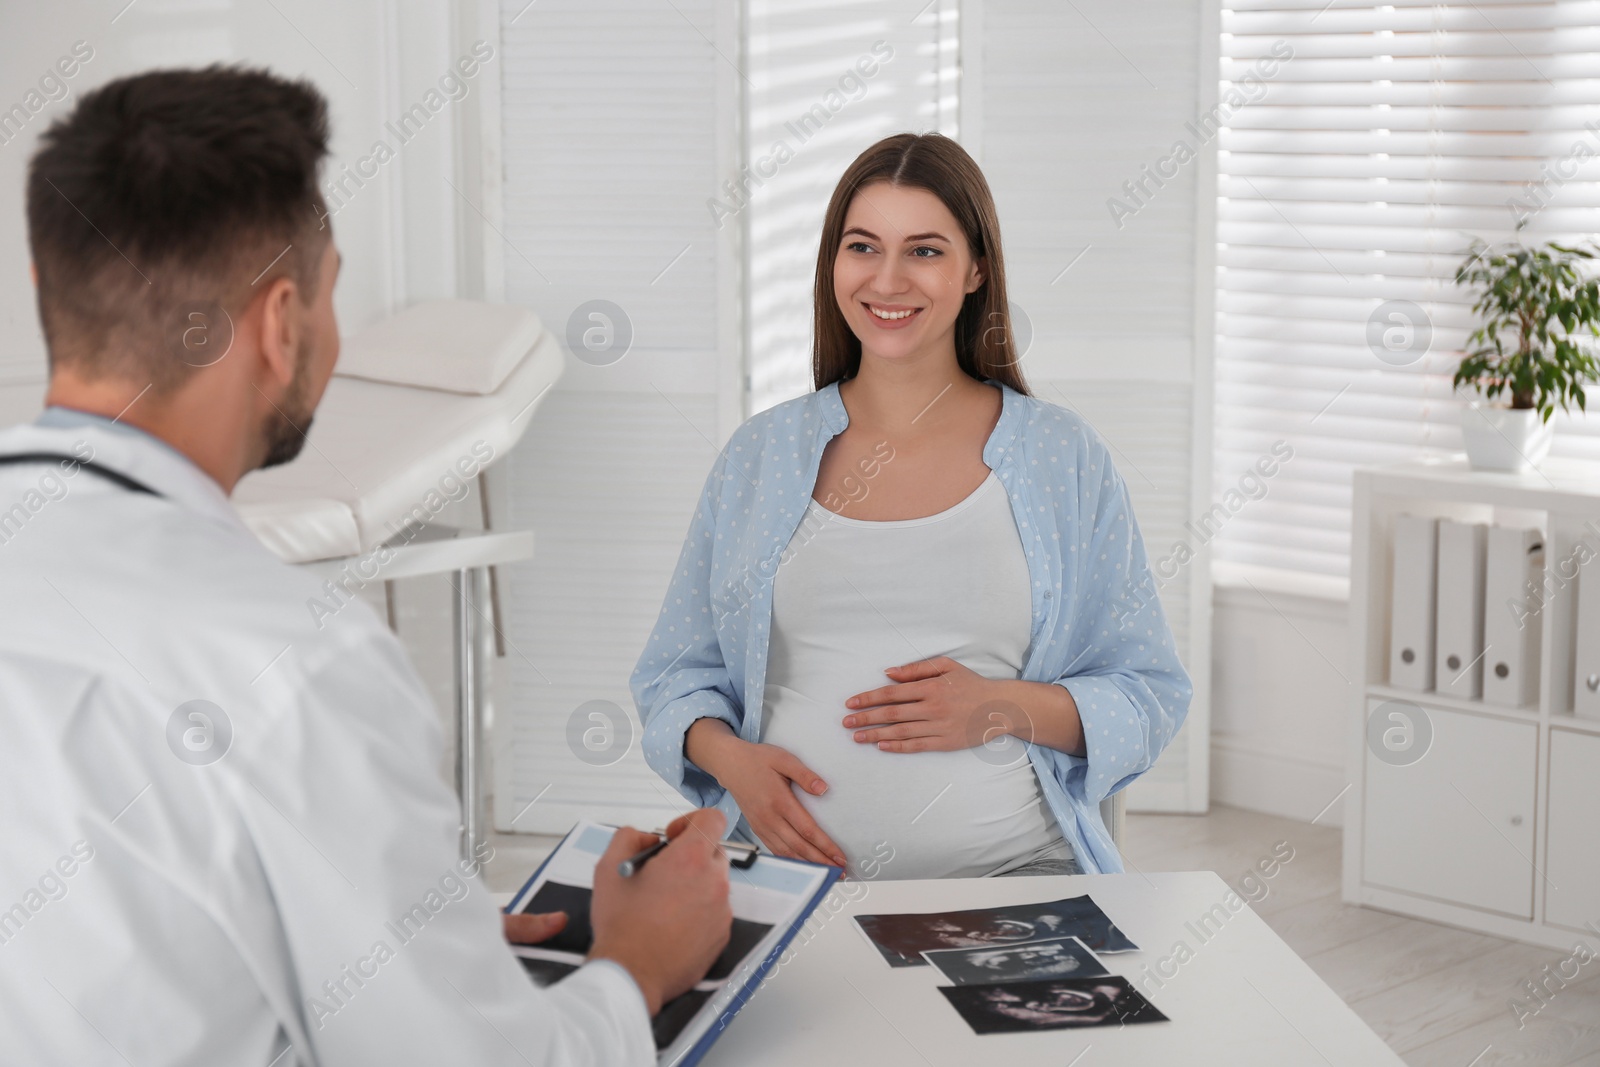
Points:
point(1439, 996)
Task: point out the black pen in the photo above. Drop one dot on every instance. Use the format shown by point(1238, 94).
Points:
point(630, 866)
point(741, 856)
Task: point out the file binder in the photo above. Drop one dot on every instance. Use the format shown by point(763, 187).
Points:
point(1411, 602)
point(1458, 610)
point(1511, 628)
point(1586, 657)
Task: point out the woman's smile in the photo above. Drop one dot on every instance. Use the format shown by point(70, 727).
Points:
point(891, 316)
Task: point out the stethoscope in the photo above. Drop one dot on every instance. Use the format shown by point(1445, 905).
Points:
point(117, 477)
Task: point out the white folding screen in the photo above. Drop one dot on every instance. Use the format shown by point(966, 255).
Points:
point(1368, 146)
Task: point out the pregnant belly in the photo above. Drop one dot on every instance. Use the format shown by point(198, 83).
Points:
point(955, 814)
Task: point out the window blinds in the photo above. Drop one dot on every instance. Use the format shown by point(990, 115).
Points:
point(1350, 179)
point(822, 89)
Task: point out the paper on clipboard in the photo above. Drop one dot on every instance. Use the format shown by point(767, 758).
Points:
point(770, 900)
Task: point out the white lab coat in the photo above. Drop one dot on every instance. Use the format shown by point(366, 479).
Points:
point(247, 910)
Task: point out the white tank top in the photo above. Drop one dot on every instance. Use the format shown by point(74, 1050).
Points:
point(854, 596)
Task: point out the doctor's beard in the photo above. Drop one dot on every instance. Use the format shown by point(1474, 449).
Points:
point(289, 421)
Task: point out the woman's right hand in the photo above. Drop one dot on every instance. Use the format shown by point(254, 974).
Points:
point(762, 779)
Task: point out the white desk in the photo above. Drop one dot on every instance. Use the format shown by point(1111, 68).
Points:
point(1243, 998)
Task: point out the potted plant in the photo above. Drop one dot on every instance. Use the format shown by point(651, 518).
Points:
point(1534, 304)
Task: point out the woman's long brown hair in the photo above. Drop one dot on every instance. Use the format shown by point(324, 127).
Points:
point(984, 344)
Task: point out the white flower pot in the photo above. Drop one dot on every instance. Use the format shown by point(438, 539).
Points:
point(1504, 439)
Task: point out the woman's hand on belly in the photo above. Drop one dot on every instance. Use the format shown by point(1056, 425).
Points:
point(762, 779)
point(934, 705)
point(939, 705)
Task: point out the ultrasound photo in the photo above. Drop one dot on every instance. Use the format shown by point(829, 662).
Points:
point(1061, 1004)
point(1061, 957)
point(903, 938)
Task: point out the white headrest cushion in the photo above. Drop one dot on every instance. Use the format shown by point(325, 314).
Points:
point(458, 346)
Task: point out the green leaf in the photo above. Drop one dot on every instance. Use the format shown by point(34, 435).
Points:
point(1533, 305)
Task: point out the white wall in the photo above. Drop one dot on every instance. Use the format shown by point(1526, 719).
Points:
point(342, 58)
point(407, 231)
point(1280, 698)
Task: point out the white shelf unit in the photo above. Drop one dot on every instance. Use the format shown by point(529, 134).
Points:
point(1496, 828)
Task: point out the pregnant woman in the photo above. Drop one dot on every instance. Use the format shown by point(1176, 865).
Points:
point(913, 629)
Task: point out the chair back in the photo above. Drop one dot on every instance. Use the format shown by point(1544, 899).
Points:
point(1112, 809)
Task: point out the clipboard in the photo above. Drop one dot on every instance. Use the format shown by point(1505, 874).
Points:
point(772, 897)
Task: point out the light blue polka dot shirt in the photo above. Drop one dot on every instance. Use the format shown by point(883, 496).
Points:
point(1098, 628)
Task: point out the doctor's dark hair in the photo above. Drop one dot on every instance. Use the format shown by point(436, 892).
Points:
point(165, 199)
point(985, 347)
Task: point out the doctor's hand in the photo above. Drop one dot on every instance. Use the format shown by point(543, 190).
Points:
point(668, 923)
point(534, 928)
point(763, 778)
point(933, 705)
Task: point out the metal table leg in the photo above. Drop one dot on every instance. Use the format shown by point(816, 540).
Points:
point(471, 663)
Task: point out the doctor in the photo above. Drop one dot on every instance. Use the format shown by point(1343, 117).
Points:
point(226, 840)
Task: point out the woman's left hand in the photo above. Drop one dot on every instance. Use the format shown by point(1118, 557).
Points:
point(934, 705)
